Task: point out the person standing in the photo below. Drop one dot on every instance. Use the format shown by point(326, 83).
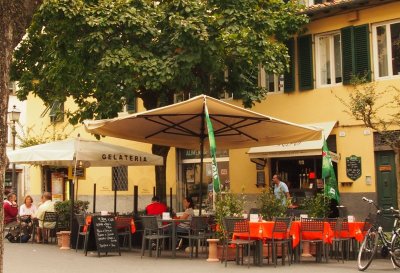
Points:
point(281, 190)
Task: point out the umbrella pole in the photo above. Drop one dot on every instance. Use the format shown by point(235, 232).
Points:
point(115, 200)
point(94, 197)
point(202, 137)
point(72, 201)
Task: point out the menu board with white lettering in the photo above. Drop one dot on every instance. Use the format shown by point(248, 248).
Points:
point(106, 234)
point(353, 167)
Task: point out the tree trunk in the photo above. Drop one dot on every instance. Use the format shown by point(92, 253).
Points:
point(160, 171)
point(15, 16)
point(397, 165)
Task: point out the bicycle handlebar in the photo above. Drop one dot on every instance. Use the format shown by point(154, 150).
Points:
point(391, 209)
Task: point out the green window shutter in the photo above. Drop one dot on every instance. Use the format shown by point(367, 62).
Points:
point(347, 54)
point(362, 63)
point(289, 81)
point(304, 48)
point(355, 53)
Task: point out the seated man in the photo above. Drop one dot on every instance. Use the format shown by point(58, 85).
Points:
point(156, 207)
point(47, 205)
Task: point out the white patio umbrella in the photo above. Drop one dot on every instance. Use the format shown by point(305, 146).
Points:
point(83, 153)
point(183, 125)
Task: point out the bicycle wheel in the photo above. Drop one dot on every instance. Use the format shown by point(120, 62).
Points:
point(395, 250)
point(367, 250)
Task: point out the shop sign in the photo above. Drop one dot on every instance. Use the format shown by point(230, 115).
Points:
point(385, 168)
point(353, 167)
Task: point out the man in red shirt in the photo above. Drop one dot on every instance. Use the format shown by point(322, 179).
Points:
point(156, 207)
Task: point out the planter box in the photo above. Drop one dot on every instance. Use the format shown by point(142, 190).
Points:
point(231, 256)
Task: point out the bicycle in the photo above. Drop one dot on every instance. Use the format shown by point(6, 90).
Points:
point(375, 232)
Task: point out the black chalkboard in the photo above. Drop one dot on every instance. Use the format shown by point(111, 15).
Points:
point(106, 234)
point(353, 167)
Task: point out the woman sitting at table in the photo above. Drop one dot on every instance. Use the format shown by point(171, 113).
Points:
point(184, 228)
point(26, 212)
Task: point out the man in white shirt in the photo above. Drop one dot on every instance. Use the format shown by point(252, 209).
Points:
point(47, 205)
point(281, 190)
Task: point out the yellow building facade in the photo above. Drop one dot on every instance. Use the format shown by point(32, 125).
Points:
point(311, 94)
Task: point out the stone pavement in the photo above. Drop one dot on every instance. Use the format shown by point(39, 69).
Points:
point(38, 258)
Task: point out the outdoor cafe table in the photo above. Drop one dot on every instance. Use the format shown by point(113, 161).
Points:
point(174, 223)
point(262, 231)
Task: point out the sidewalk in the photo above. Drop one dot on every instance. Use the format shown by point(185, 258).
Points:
point(38, 258)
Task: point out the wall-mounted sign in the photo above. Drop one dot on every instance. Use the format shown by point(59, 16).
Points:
point(385, 168)
point(79, 173)
point(353, 167)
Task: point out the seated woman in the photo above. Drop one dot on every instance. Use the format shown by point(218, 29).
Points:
point(188, 214)
point(27, 211)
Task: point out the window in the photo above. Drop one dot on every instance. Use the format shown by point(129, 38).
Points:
point(12, 88)
point(386, 38)
point(57, 112)
point(329, 59)
point(120, 178)
point(130, 105)
point(273, 83)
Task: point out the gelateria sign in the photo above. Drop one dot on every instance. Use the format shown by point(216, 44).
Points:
point(125, 157)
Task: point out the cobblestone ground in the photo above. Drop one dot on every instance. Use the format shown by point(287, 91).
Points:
point(37, 258)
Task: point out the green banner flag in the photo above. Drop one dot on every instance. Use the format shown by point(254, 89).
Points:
point(213, 149)
point(328, 174)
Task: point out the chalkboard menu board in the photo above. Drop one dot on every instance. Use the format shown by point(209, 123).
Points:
point(353, 167)
point(106, 234)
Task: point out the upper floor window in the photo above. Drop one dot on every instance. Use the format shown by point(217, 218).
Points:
point(272, 82)
point(12, 88)
point(386, 39)
point(328, 59)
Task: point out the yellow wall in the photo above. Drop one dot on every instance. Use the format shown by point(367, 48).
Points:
point(319, 105)
point(144, 176)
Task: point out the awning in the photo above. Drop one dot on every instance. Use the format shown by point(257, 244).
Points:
point(306, 148)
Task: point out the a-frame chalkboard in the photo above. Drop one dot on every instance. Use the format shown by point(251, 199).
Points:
point(106, 234)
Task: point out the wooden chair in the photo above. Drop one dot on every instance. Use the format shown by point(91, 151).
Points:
point(236, 225)
point(52, 219)
point(315, 225)
point(81, 219)
point(123, 225)
point(152, 232)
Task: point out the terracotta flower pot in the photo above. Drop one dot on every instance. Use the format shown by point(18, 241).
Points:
point(231, 254)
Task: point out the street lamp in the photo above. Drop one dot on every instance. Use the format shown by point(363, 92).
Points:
point(13, 117)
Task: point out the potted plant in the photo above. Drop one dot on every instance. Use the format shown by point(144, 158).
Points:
point(270, 206)
point(63, 209)
point(316, 206)
point(227, 204)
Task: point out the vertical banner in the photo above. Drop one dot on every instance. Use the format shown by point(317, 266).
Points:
point(213, 148)
point(328, 174)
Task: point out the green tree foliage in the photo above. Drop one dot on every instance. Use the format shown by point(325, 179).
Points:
point(227, 204)
point(99, 52)
point(270, 206)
